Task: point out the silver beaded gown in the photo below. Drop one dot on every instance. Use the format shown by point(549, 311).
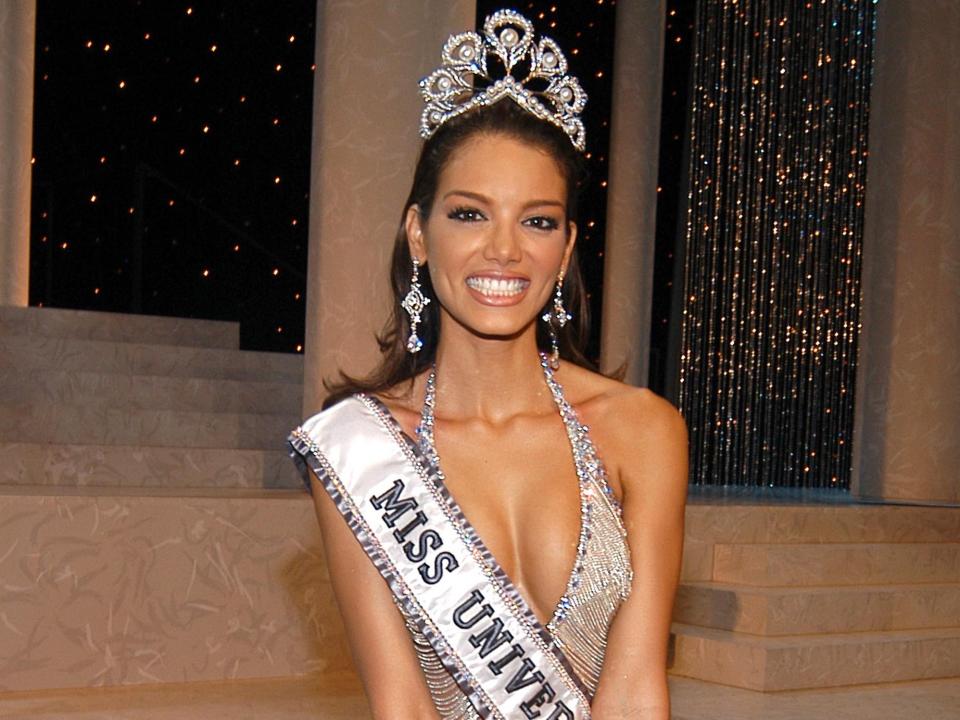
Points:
point(599, 583)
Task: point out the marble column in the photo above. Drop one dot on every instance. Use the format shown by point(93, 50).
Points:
point(632, 199)
point(370, 57)
point(18, 19)
point(907, 432)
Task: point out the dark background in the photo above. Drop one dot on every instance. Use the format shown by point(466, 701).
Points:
point(172, 157)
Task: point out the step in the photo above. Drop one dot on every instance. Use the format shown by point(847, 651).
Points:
point(710, 523)
point(814, 661)
point(338, 696)
point(84, 425)
point(153, 392)
point(79, 466)
point(118, 327)
point(813, 564)
point(729, 524)
point(108, 589)
point(698, 700)
point(44, 353)
point(812, 610)
point(314, 696)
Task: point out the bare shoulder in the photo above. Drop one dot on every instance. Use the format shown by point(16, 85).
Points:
point(624, 412)
point(638, 433)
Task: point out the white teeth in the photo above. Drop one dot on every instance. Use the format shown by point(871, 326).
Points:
point(502, 287)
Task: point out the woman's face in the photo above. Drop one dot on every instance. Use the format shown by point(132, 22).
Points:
point(497, 237)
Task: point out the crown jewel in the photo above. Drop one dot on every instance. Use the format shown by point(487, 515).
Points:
point(507, 36)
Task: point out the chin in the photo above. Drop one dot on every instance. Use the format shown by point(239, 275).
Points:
point(499, 331)
point(502, 328)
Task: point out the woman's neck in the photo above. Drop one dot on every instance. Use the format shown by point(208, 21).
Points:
point(490, 379)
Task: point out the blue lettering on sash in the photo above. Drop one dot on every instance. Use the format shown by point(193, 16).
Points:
point(474, 612)
point(393, 507)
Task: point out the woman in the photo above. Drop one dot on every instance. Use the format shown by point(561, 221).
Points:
point(524, 577)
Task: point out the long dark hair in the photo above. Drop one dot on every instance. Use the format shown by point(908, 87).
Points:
point(502, 118)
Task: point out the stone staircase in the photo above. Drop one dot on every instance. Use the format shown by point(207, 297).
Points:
point(152, 527)
point(104, 400)
point(792, 597)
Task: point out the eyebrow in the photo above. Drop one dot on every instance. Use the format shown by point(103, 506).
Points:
point(484, 199)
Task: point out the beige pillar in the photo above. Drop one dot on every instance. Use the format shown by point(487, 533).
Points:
point(632, 199)
point(907, 432)
point(370, 56)
point(18, 20)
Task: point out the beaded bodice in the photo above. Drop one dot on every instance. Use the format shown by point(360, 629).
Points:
point(598, 584)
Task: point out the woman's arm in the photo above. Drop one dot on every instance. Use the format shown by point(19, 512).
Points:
point(379, 641)
point(649, 447)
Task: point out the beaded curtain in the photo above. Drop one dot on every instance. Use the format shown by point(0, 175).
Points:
point(772, 239)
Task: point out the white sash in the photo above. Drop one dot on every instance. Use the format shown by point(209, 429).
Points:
point(487, 637)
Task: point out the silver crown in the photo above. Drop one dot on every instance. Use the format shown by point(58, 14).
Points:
point(449, 92)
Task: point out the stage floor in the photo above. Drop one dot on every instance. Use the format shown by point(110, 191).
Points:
point(340, 699)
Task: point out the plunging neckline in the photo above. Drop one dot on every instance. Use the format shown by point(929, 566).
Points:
point(576, 435)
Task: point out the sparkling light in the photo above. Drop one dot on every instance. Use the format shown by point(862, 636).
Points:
point(187, 214)
point(773, 240)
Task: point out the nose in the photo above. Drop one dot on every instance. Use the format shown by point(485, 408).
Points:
point(503, 244)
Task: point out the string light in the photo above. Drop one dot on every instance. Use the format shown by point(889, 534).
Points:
point(773, 240)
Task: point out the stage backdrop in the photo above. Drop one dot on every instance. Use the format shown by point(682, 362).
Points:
point(772, 240)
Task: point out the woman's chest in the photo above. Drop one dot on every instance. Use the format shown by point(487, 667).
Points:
point(520, 491)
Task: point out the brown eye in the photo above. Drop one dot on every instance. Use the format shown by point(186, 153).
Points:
point(542, 222)
point(465, 214)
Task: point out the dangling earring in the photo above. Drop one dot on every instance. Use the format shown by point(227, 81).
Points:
point(414, 303)
point(556, 318)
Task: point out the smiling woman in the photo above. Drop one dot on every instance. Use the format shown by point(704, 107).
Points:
point(498, 237)
point(521, 576)
point(507, 141)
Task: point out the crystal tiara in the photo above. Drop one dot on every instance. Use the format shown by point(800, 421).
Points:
point(507, 35)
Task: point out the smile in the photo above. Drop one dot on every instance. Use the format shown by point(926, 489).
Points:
point(497, 287)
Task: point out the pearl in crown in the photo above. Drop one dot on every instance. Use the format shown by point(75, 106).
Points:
point(508, 38)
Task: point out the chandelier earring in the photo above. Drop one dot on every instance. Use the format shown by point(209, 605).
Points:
point(556, 318)
point(414, 302)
